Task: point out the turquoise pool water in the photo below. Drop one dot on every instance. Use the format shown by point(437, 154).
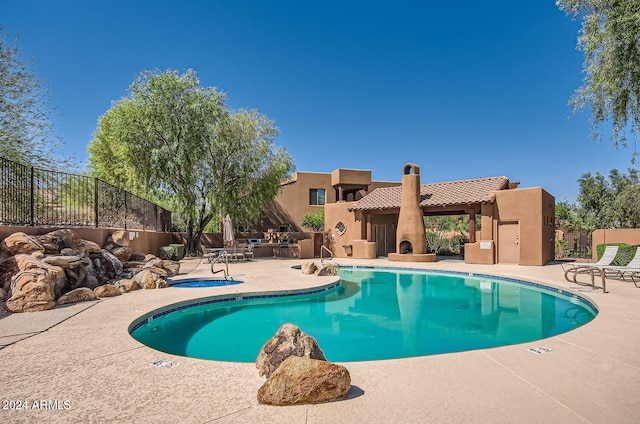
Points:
point(204, 283)
point(373, 314)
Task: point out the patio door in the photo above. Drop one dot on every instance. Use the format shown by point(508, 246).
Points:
point(508, 242)
point(385, 238)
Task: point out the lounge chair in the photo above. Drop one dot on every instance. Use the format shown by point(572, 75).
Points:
point(592, 268)
point(632, 269)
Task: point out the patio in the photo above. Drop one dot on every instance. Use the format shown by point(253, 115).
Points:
point(89, 360)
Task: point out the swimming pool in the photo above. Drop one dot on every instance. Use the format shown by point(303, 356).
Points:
point(371, 314)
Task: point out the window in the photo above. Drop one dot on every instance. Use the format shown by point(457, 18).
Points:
point(316, 196)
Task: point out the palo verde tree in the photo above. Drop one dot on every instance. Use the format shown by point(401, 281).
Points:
point(175, 140)
point(25, 115)
point(610, 40)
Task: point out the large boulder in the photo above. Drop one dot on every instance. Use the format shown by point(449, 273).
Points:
point(65, 238)
point(147, 279)
point(126, 285)
point(288, 341)
point(309, 268)
point(107, 290)
point(83, 294)
point(302, 380)
point(172, 267)
point(122, 252)
point(119, 238)
point(137, 256)
point(23, 262)
point(106, 266)
point(65, 261)
point(328, 269)
point(33, 290)
point(19, 242)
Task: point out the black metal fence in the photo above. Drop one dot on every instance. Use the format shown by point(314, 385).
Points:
point(33, 196)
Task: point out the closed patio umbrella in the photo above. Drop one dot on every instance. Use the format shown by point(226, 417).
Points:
point(227, 231)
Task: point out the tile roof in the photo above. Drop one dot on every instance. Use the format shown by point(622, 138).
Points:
point(463, 192)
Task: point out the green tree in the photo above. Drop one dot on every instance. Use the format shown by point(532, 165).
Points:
point(314, 221)
point(629, 206)
point(599, 200)
point(25, 115)
point(176, 141)
point(610, 39)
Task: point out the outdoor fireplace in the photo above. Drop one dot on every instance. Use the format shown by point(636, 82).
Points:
point(405, 247)
point(410, 234)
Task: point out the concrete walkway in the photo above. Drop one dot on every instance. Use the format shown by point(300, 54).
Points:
point(87, 368)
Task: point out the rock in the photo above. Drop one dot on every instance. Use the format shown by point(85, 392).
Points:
point(303, 380)
point(23, 262)
point(154, 262)
point(83, 294)
point(19, 242)
point(91, 247)
point(64, 238)
point(8, 268)
point(68, 251)
point(120, 238)
point(149, 257)
point(172, 267)
point(328, 269)
point(137, 256)
point(3, 295)
point(123, 253)
point(32, 290)
point(309, 268)
point(289, 340)
point(37, 254)
point(107, 290)
point(127, 285)
point(147, 279)
point(65, 261)
point(106, 266)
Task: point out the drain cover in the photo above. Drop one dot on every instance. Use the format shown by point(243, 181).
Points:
point(165, 364)
point(539, 350)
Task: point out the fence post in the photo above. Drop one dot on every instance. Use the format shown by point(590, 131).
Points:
point(32, 197)
point(95, 200)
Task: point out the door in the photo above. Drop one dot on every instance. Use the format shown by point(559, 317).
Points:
point(380, 232)
point(509, 242)
point(318, 241)
point(385, 238)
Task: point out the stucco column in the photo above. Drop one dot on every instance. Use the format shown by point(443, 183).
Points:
point(472, 226)
point(369, 231)
point(340, 194)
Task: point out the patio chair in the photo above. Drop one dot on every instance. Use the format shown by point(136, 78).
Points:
point(248, 252)
point(592, 268)
point(632, 269)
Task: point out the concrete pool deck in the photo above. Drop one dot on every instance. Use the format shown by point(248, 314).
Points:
point(87, 368)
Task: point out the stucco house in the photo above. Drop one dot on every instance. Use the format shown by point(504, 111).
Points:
point(369, 219)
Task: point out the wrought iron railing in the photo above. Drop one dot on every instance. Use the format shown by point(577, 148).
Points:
point(33, 196)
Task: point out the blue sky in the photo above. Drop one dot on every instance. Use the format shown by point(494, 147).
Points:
point(464, 89)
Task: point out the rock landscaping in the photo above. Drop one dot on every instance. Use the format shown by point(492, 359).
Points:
point(38, 272)
point(297, 371)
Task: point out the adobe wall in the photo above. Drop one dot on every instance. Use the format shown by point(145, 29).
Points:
point(144, 241)
point(534, 209)
point(627, 235)
point(338, 212)
point(294, 197)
